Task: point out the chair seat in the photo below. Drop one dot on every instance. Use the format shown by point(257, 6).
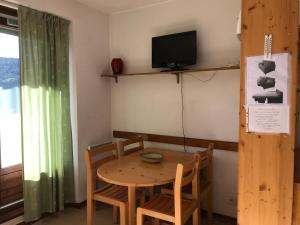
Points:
point(163, 207)
point(115, 194)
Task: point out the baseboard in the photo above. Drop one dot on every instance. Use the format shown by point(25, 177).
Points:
point(67, 205)
point(78, 205)
point(217, 215)
point(225, 217)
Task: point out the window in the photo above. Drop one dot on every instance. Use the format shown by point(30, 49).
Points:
point(10, 119)
point(11, 189)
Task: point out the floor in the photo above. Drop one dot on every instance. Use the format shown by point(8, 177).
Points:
point(103, 216)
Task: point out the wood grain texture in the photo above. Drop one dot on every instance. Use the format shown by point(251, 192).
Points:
point(174, 208)
point(114, 195)
point(125, 150)
point(193, 142)
point(266, 162)
point(297, 165)
point(130, 170)
point(173, 72)
point(11, 185)
point(296, 209)
point(205, 185)
point(11, 212)
point(10, 169)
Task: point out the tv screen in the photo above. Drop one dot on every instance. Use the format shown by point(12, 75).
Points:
point(174, 51)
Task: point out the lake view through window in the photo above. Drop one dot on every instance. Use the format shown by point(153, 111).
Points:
point(10, 119)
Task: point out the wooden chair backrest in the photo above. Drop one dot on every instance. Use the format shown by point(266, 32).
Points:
point(186, 174)
point(206, 158)
point(206, 168)
point(94, 158)
point(207, 155)
point(123, 144)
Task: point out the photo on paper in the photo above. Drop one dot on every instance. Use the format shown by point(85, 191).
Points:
point(267, 80)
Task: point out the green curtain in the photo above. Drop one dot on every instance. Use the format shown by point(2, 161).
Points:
point(46, 127)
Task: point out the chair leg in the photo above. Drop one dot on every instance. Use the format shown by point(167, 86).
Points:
point(156, 221)
point(151, 192)
point(123, 213)
point(142, 199)
point(139, 217)
point(115, 214)
point(90, 211)
point(210, 207)
point(196, 217)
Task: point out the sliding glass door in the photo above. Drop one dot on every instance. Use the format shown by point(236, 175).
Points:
point(10, 119)
point(11, 187)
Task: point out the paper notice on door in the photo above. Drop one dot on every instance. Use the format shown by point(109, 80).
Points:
point(267, 82)
point(269, 119)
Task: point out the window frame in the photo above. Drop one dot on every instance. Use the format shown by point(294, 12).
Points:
point(12, 175)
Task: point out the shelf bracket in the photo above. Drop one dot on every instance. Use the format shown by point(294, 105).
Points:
point(177, 77)
point(116, 79)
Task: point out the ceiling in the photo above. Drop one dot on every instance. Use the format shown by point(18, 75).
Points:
point(113, 6)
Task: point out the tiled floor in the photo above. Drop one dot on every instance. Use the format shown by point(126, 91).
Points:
point(103, 216)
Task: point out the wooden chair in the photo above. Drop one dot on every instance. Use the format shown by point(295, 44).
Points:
point(205, 182)
point(115, 195)
point(206, 179)
point(175, 208)
point(123, 150)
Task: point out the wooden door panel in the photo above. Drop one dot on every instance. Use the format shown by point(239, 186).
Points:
point(266, 162)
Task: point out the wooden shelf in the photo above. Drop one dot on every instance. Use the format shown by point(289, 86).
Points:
point(176, 73)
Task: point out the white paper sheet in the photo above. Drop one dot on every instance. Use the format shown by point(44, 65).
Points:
point(269, 86)
point(267, 94)
point(269, 118)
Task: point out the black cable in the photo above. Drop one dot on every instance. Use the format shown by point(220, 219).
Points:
point(182, 113)
point(204, 81)
point(182, 103)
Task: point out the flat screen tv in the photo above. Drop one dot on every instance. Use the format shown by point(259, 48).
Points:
point(174, 51)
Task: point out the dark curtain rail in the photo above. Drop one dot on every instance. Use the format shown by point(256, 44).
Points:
point(193, 142)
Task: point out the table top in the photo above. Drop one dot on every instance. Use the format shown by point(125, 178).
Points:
point(130, 170)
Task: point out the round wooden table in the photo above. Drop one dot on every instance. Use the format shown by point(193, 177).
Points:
point(132, 172)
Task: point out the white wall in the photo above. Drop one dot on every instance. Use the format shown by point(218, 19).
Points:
point(153, 104)
point(90, 95)
point(215, 21)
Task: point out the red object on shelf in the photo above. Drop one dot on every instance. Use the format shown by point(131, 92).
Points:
point(117, 66)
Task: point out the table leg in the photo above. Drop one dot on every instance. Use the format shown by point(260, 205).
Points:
point(131, 205)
